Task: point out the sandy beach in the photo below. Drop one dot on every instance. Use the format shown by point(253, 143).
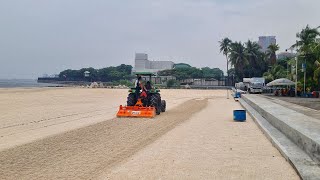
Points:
point(72, 133)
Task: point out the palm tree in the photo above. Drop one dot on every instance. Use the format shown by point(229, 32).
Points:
point(307, 49)
point(316, 73)
point(315, 48)
point(254, 58)
point(276, 72)
point(272, 49)
point(225, 49)
point(238, 58)
point(306, 37)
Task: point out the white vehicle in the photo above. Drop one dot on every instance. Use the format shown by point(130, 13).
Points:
point(240, 86)
point(256, 85)
point(246, 82)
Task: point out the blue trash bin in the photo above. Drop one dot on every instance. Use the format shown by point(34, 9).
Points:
point(239, 115)
point(237, 95)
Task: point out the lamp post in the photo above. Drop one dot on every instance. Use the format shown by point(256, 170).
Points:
point(296, 86)
point(226, 84)
point(296, 67)
point(233, 80)
point(304, 83)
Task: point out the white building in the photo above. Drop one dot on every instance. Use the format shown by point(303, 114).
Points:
point(266, 41)
point(143, 64)
point(284, 55)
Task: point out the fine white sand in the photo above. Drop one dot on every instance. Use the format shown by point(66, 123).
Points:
point(32, 114)
point(208, 146)
point(72, 133)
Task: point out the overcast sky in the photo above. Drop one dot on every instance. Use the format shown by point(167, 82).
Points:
point(48, 36)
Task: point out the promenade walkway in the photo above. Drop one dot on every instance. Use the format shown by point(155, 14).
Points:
point(303, 108)
point(293, 129)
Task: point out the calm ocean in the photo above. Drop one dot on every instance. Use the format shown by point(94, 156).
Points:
point(12, 83)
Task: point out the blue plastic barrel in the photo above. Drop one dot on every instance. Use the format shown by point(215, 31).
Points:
point(238, 95)
point(239, 115)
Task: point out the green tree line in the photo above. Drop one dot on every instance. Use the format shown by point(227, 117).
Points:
point(308, 52)
point(108, 74)
point(124, 72)
point(247, 59)
point(193, 73)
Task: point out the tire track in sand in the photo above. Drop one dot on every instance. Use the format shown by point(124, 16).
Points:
point(86, 152)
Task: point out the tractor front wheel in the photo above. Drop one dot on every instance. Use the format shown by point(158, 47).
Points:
point(131, 100)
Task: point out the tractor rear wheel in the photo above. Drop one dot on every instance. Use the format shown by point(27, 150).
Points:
point(163, 106)
point(154, 101)
point(131, 100)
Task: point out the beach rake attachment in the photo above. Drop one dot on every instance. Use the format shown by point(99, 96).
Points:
point(138, 110)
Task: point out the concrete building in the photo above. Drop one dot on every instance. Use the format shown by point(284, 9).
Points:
point(266, 41)
point(284, 55)
point(143, 64)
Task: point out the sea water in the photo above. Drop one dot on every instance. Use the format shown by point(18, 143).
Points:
point(14, 83)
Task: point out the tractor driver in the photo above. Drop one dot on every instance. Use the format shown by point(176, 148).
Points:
point(137, 85)
point(148, 86)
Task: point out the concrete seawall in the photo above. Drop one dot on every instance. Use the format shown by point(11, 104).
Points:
point(301, 129)
point(297, 136)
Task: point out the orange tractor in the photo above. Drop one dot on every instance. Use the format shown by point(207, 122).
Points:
point(147, 105)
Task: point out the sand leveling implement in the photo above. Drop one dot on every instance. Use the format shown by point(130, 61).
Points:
point(137, 111)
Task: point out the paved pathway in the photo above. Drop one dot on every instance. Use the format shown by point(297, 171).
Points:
point(299, 108)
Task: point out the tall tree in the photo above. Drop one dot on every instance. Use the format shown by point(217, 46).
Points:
point(209, 73)
point(316, 51)
point(238, 58)
point(225, 49)
point(255, 60)
point(307, 49)
point(306, 37)
point(272, 50)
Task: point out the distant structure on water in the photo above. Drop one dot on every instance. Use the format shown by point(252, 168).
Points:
point(266, 41)
point(143, 64)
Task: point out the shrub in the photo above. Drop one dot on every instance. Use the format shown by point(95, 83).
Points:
point(173, 83)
